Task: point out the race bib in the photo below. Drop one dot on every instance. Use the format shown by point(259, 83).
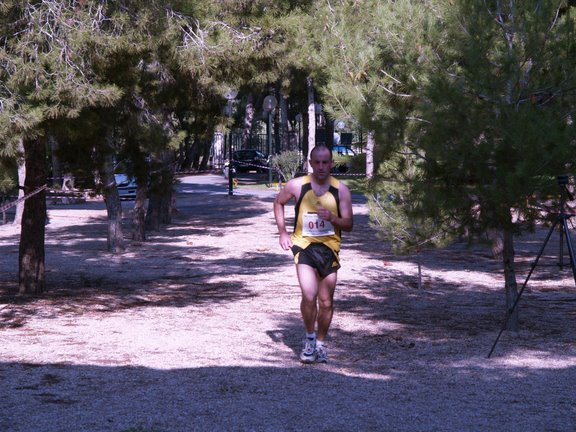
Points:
point(314, 226)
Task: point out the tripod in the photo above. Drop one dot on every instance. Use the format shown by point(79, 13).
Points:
point(561, 221)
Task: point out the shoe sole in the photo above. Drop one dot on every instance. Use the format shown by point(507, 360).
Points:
point(308, 359)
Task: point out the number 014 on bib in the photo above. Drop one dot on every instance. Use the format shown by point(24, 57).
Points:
point(314, 226)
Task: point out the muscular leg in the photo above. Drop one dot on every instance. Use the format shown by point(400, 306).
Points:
point(326, 289)
point(308, 280)
point(317, 299)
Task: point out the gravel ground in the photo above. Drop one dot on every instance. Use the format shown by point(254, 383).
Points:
point(198, 329)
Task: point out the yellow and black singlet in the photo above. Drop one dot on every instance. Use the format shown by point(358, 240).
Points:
point(308, 227)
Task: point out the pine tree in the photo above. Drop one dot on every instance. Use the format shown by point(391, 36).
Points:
point(394, 211)
point(496, 102)
point(46, 76)
point(368, 66)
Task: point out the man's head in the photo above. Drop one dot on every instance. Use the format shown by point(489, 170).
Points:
point(321, 161)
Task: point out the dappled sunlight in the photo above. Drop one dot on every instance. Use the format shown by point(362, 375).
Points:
point(205, 315)
point(488, 281)
point(353, 322)
point(520, 361)
point(534, 359)
point(355, 373)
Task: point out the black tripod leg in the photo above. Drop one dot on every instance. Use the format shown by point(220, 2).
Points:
point(511, 310)
point(562, 232)
point(570, 248)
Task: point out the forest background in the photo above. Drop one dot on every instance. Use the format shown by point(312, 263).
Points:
point(467, 106)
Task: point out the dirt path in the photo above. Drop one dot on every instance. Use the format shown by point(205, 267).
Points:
point(199, 329)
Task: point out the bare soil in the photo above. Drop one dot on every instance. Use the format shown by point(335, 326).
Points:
point(199, 328)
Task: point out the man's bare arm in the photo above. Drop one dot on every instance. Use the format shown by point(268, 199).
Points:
point(283, 197)
point(345, 220)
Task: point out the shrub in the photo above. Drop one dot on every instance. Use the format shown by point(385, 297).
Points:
point(287, 164)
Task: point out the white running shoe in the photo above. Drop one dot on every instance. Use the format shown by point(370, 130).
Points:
point(308, 354)
point(321, 354)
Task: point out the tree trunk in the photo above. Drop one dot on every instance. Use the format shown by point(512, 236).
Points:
point(187, 153)
point(304, 141)
point(113, 208)
point(167, 205)
point(248, 120)
point(496, 242)
point(205, 156)
point(160, 205)
point(284, 128)
point(56, 171)
point(311, 121)
point(152, 219)
point(510, 285)
point(370, 146)
point(21, 179)
point(31, 273)
point(139, 217)
point(329, 131)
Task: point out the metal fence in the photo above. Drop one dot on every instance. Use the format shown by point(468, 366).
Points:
point(221, 145)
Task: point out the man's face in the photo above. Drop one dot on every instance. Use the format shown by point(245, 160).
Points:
point(321, 163)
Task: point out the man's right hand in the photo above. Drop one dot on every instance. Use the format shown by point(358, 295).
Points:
point(285, 240)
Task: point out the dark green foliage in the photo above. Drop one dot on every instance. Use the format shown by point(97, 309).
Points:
point(287, 163)
point(497, 105)
point(394, 208)
point(8, 179)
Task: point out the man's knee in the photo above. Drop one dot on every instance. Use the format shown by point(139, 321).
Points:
point(326, 303)
point(309, 300)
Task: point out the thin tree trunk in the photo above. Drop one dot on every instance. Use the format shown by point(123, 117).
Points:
point(496, 242)
point(167, 203)
point(187, 154)
point(160, 205)
point(329, 131)
point(31, 258)
point(113, 208)
point(56, 172)
point(510, 285)
point(304, 141)
point(284, 125)
point(370, 146)
point(205, 156)
point(248, 120)
point(167, 207)
point(21, 179)
point(311, 121)
point(419, 262)
point(139, 217)
point(152, 219)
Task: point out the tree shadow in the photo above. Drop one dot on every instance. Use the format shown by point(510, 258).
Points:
point(435, 396)
point(409, 360)
point(194, 274)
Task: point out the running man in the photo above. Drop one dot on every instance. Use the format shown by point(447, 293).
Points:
point(323, 209)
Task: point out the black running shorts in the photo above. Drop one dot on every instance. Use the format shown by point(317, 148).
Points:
point(318, 256)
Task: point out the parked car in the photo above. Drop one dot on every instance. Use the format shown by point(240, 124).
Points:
point(342, 157)
point(249, 160)
point(126, 186)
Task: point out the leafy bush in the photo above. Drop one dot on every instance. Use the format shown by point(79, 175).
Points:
point(287, 164)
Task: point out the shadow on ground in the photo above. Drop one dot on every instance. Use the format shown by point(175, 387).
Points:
point(82, 397)
point(417, 363)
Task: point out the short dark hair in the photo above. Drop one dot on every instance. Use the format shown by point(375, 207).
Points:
point(318, 148)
